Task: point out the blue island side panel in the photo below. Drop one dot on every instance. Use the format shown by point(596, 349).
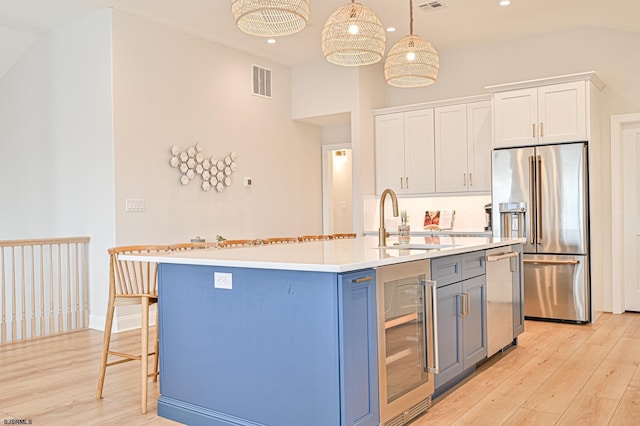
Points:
point(263, 353)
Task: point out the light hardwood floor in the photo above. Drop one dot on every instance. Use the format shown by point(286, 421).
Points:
point(559, 374)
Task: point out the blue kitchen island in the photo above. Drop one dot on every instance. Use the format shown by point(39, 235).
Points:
point(277, 335)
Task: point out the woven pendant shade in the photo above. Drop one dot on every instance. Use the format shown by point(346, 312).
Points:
point(411, 62)
point(352, 36)
point(270, 18)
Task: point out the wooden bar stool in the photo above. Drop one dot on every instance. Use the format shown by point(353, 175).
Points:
point(342, 236)
point(279, 240)
point(192, 246)
point(132, 283)
point(236, 243)
point(314, 237)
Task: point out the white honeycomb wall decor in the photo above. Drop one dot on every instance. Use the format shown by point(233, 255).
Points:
point(214, 173)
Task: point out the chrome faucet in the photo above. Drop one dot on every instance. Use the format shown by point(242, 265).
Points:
point(382, 233)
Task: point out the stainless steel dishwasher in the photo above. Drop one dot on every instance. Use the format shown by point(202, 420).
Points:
point(502, 262)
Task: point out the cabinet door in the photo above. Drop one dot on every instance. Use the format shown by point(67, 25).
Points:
point(562, 113)
point(474, 322)
point(449, 333)
point(390, 152)
point(419, 157)
point(479, 143)
point(451, 148)
point(358, 349)
point(515, 114)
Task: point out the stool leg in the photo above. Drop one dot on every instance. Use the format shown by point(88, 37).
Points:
point(156, 370)
point(144, 353)
point(105, 346)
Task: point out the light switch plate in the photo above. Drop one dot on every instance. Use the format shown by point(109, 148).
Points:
point(134, 205)
point(223, 280)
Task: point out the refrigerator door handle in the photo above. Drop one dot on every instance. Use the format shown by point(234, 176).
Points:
point(531, 192)
point(539, 200)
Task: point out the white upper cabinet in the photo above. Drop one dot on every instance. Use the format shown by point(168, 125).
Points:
point(562, 113)
point(463, 147)
point(479, 144)
point(405, 152)
point(547, 113)
point(389, 151)
point(451, 148)
point(419, 154)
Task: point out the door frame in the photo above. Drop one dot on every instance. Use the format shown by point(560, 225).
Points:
point(327, 207)
point(618, 122)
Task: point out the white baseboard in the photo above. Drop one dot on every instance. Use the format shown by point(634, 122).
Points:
point(121, 322)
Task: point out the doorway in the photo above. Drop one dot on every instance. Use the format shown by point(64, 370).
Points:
point(337, 190)
point(625, 209)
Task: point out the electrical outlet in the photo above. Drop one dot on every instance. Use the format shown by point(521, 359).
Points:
point(222, 280)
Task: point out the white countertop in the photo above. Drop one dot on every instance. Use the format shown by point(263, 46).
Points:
point(327, 256)
point(447, 232)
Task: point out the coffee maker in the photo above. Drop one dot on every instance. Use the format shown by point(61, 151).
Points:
point(487, 210)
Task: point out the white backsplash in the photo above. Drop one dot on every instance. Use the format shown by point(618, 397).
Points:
point(470, 215)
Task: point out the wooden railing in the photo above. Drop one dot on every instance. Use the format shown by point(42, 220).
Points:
point(44, 287)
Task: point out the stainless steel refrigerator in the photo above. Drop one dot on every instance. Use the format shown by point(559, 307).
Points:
point(552, 181)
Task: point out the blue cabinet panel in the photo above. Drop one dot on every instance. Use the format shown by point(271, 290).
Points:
point(462, 315)
point(358, 349)
point(474, 330)
point(264, 352)
point(449, 336)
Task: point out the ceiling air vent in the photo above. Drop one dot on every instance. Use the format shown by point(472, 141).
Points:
point(261, 82)
point(431, 6)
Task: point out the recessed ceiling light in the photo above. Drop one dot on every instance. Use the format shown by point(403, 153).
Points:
point(505, 2)
point(391, 29)
point(271, 41)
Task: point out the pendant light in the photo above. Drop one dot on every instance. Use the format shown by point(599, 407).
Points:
point(352, 36)
point(270, 18)
point(411, 62)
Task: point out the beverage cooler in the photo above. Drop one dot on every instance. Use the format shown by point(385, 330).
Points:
point(406, 339)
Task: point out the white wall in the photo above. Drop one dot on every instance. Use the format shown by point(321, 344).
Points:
point(56, 144)
point(322, 88)
point(172, 88)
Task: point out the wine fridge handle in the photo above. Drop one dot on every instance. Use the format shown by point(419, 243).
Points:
point(432, 332)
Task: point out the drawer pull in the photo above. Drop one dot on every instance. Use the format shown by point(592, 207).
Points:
point(363, 279)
